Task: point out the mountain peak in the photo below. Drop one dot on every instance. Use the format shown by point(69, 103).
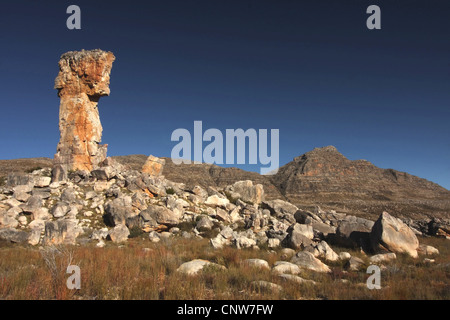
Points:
point(328, 152)
point(326, 149)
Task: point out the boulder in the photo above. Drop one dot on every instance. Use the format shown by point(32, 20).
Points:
point(153, 166)
point(242, 241)
point(280, 208)
point(60, 209)
point(37, 227)
point(204, 224)
point(299, 236)
point(354, 264)
point(247, 192)
point(344, 256)
point(219, 242)
point(59, 174)
point(33, 204)
point(306, 217)
point(199, 191)
point(323, 250)
point(222, 215)
point(69, 195)
point(13, 235)
point(61, 232)
point(264, 286)
point(18, 178)
point(296, 279)
point(119, 233)
point(392, 234)
point(427, 250)
point(354, 232)
point(273, 243)
point(283, 267)
point(308, 261)
point(22, 192)
point(162, 215)
point(383, 257)
point(42, 182)
point(257, 263)
point(217, 201)
point(195, 266)
point(103, 173)
point(322, 230)
point(118, 210)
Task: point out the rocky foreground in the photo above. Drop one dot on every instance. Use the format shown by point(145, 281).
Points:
point(114, 203)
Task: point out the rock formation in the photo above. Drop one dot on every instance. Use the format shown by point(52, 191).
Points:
point(392, 234)
point(83, 78)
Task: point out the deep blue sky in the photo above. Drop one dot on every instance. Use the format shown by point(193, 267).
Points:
point(309, 68)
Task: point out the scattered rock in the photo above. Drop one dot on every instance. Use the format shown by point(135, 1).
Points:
point(344, 256)
point(427, 250)
point(382, 257)
point(42, 182)
point(266, 286)
point(13, 235)
point(323, 250)
point(217, 201)
point(195, 266)
point(204, 224)
point(307, 260)
point(296, 279)
point(61, 232)
point(257, 263)
point(354, 264)
point(119, 234)
point(283, 267)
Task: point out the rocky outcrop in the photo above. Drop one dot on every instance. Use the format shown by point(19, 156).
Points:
point(82, 80)
point(322, 177)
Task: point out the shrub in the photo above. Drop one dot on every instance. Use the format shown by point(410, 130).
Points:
point(170, 191)
point(31, 170)
point(135, 232)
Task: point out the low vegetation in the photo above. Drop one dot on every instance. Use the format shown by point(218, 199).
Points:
point(143, 270)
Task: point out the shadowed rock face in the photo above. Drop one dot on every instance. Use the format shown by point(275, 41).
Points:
point(83, 78)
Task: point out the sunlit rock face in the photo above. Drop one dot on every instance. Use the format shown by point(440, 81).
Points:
point(83, 78)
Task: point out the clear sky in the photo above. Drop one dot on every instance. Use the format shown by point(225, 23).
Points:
point(311, 69)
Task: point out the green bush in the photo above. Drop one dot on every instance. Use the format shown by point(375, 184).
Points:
point(31, 170)
point(170, 191)
point(136, 232)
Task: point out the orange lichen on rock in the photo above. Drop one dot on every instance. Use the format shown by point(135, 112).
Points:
point(83, 78)
point(153, 166)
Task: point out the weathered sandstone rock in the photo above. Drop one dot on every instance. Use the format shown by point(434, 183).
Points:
point(153, 166)
point(82, 80)
point(392, 234)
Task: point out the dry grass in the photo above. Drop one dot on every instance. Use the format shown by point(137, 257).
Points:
point(143, 270)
